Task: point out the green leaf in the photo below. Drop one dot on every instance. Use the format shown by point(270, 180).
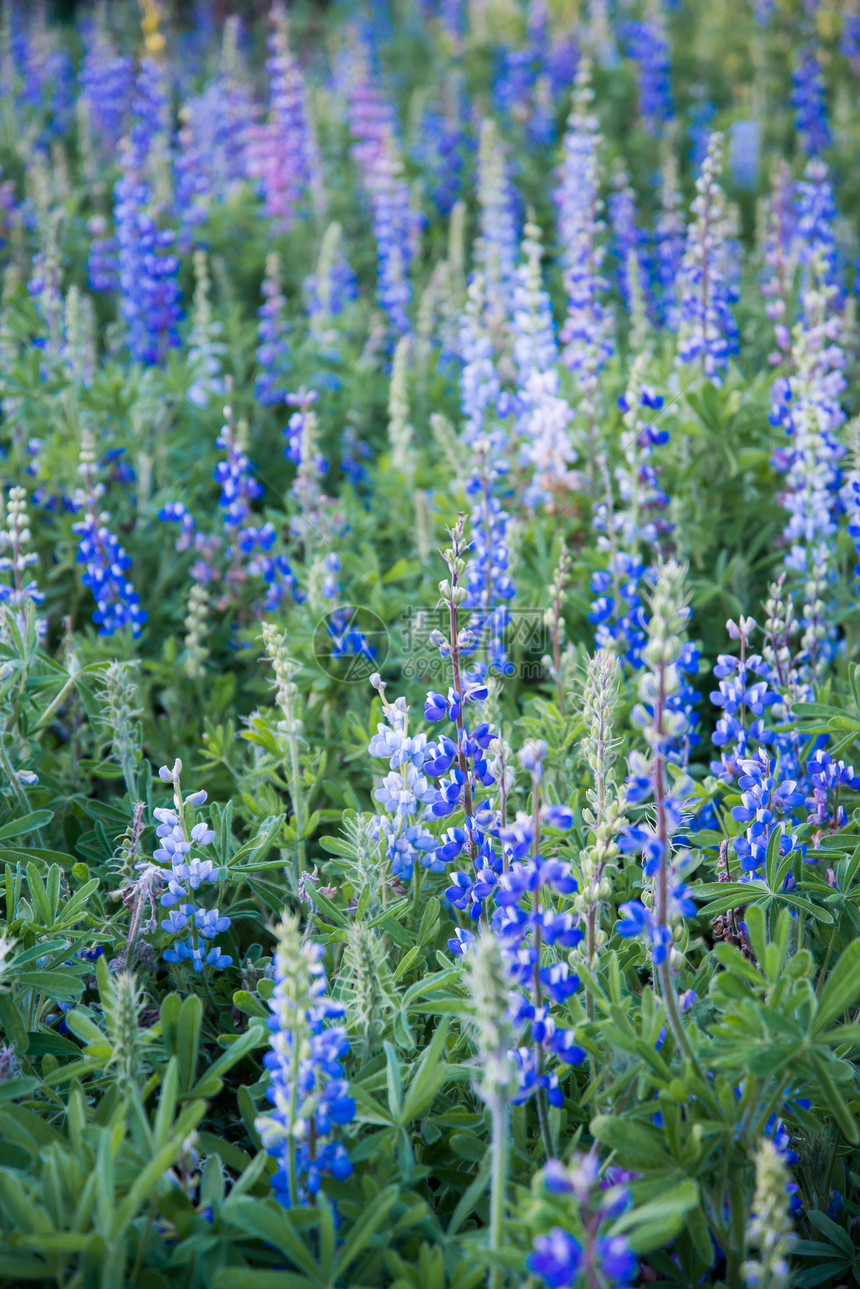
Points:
point(406, 962)
point(27, 823)
point(267, 1221)
point(431, 984)
point(15, 1268)
point(38, 894)
point(43, 949)
point(638, 1143)
point(60, 985)
point(337, 915)
point(248, 1278)
point(834, 1099)
point(469, 1198)
point(394, 1080)
point(363, 1232)
point(146, 1181)
point(837, 1235)
point(653, 1224)
point(57, 1242)
point(246, 1003)
point(210, 1084)
point(429, 1076)
point(84, 1028)
point(17, 1089)
point(730, 957)
point(841, 991)
point(188, 1038)
point(71, 907)
point(12, 1025)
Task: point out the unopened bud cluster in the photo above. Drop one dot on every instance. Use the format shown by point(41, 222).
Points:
point(770, 1232)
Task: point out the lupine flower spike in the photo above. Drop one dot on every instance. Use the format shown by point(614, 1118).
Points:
point(307, 1090)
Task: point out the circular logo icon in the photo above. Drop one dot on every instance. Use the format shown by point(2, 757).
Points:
point(350, 643)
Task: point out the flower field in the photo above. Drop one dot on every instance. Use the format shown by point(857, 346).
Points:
point(429, 646)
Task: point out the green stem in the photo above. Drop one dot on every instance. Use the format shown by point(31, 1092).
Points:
point(826, 963)
point(757, 1127)
point(298, 812)
point(543, 1113)
point(498, 1186)
point(141, 1244)
point(291, 1140)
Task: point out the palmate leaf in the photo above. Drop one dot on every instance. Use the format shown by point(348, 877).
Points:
point(267, 1221)
point(725, 896)
point(837, 1234)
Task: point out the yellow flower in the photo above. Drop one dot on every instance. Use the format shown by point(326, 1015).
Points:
point(153, 38)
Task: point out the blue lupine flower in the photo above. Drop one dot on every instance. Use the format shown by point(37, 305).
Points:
point(192, 182)
point(224, 116)
point(395, 225)
point(827, 778)
point(46, 101)
point(328, 292)
point(647, 45)
point(178, 836)
point(767, 804)
point(664, 715)
point(631, 260)
point(146, 270)
point(762, 796)
point(849, 39)
point(497, 243)
point(308, 1091)
point(739, 697)
point(198, 955)
point(815, 231)
point(559, 1258)
point(178, 919)
point(585, 334)
point(102, 267)
point(488, 582)
point(807, 406)
point(479, 381)
point(14, 539)
point(510, 872)
point(146, 267)
point(702, 114)
point(744, 146)
point(635, 524)
point(851, 501)
point(107, 84)
point(708, 333)
point(105, 561)
point(781, 249)
point(809, 103)
point(405, 794)
point(273, 350)
point(281, 150)
point(444, 144)
point(668, 248)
